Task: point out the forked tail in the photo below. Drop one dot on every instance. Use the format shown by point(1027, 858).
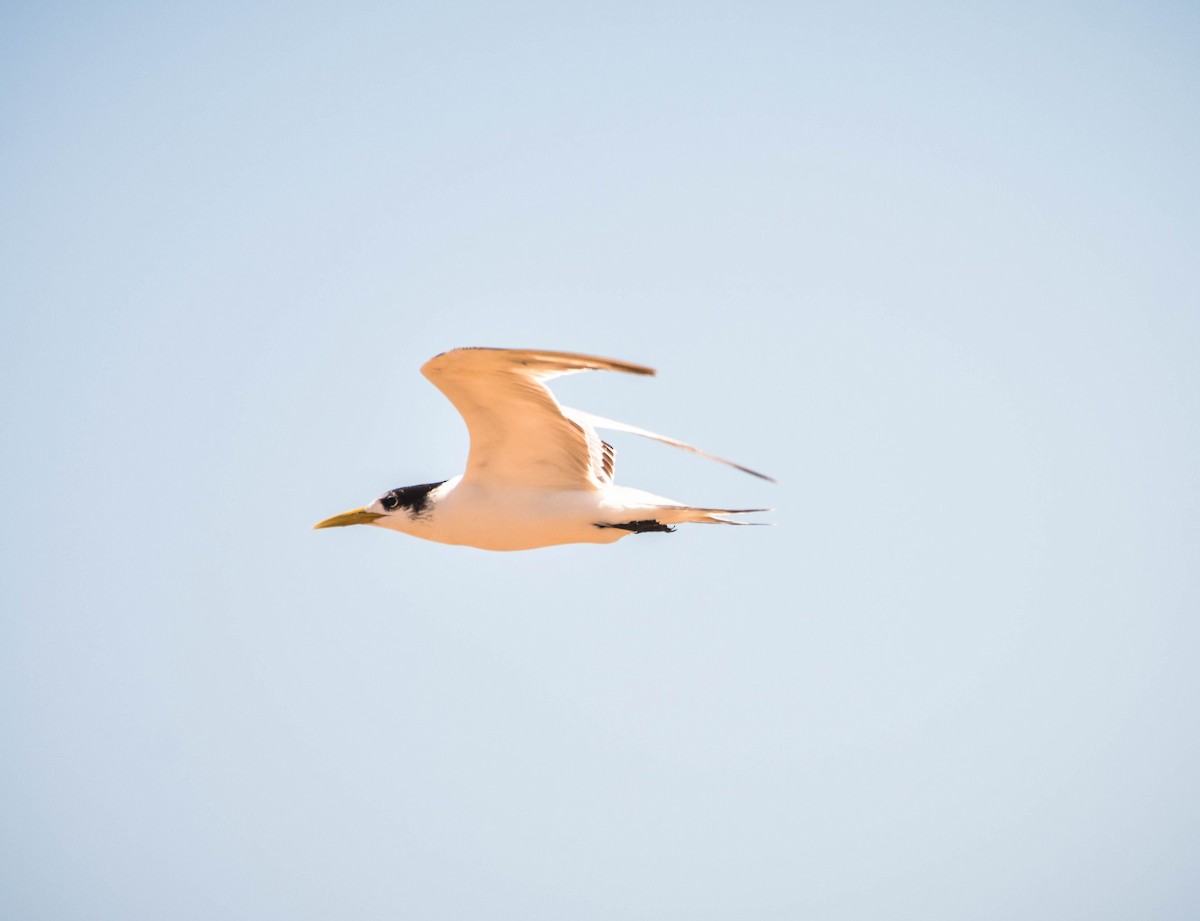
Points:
point(686, 514)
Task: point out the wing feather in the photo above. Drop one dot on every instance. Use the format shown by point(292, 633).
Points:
point(600, 422)
point(520, 435)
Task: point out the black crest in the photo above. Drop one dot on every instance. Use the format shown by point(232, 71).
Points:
point(413, 498)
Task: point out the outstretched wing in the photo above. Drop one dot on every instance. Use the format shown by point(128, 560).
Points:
point(520, 435)
point(590, 421)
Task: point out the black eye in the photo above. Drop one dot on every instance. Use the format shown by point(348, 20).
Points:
point(390, 501)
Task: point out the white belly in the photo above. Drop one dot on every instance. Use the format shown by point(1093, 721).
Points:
point(519, 519)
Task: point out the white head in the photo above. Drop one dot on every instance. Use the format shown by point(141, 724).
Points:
point(398, 509)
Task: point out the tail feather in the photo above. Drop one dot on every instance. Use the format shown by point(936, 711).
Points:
point(686, 514)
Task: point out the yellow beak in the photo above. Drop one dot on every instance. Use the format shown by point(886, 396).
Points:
point(355, 516)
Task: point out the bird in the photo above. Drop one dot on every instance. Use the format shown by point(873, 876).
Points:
point(537, 474)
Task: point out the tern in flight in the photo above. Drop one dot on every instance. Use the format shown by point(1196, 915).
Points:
point(537, 473)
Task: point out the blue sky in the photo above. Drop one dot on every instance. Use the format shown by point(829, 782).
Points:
point(935, 268)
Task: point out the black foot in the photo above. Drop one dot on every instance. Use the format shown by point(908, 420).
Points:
point(641, 527)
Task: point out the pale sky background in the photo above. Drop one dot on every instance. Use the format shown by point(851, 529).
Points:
point(934, 267)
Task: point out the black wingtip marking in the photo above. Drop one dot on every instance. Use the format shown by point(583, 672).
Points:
point(608, 459)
